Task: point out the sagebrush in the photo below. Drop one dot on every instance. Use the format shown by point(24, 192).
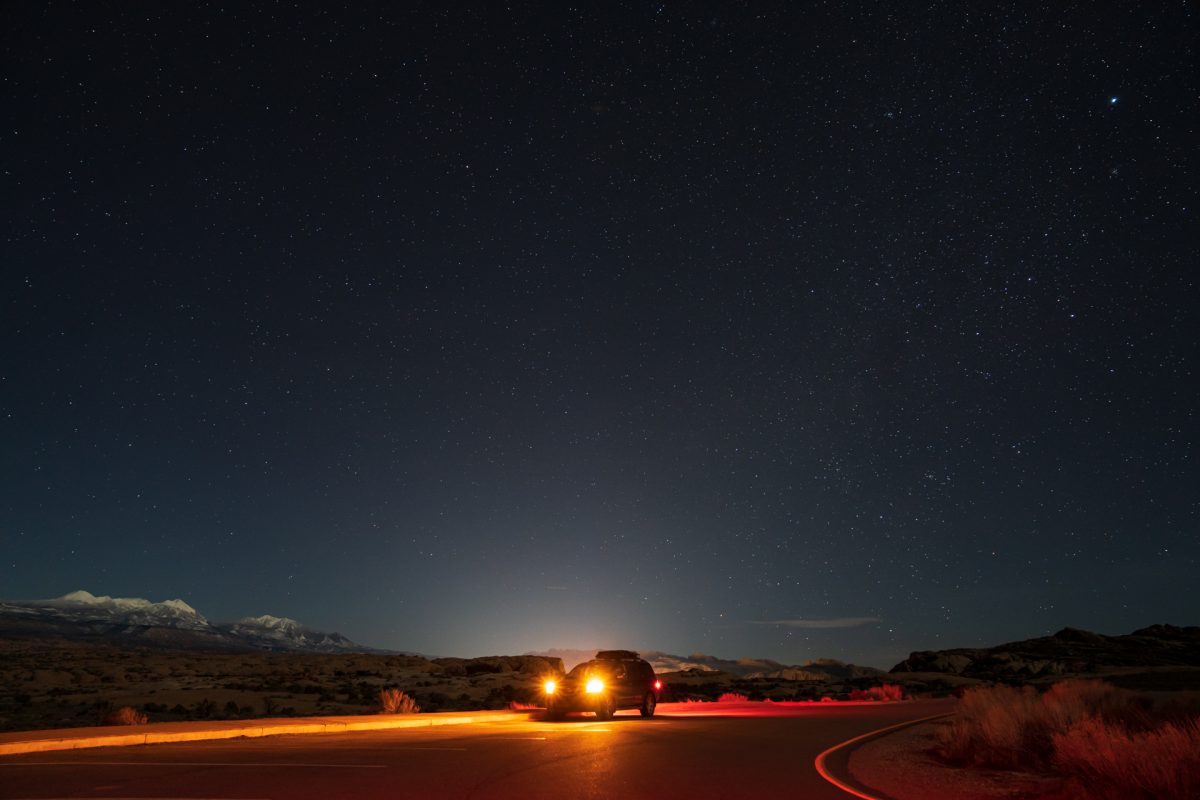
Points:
point(1108, 743)
point(884, 693)
point(125, 716)
point(394, 701)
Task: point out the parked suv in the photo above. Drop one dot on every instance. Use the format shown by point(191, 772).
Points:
point(613, 679)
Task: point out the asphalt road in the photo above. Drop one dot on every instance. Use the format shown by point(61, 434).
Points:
point(683, 752)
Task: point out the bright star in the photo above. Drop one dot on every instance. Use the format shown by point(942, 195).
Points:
point(1112, 101)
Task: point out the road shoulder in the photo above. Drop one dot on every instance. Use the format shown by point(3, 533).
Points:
point(155, 733)
point(901, 766)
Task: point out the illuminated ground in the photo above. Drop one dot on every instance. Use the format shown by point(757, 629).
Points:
point(708, 750)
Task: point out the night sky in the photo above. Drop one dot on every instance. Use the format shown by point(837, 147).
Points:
point(791, 331)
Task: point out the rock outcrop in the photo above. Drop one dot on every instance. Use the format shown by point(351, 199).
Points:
point(1069, 651)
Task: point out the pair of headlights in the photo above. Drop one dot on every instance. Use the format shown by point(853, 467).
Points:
point(594, 686)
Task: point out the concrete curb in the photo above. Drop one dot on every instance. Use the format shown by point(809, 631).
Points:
point(163, 732)
point(845, 781)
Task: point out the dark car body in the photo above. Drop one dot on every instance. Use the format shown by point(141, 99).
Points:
point(624, 681)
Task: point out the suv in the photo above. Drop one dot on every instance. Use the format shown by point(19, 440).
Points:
point(613, 679)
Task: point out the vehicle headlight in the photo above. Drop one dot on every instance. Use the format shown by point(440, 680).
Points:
point(595, 686)
point(550, 686)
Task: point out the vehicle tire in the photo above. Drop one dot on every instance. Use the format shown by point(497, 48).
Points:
point(648, 705)
point(553, 712)
point(606, 709)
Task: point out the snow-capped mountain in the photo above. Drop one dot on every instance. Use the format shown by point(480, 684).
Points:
point(169, 623)
point(127, 610)
point(281, 633)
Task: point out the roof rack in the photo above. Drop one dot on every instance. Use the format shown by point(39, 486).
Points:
point(616, 655)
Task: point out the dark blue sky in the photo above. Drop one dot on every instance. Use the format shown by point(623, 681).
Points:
point(793, 332)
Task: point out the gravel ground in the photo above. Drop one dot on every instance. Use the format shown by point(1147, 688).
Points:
point(900, 766)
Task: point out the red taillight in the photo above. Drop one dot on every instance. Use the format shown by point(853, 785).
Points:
point(657, 685)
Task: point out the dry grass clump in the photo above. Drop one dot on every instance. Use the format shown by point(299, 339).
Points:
point(125, 715)
point(1111, 762)
point(987, 730)
point(733, 697)
point(394, 701)
point(1011, 728)
point(1108, 742)
point(885, 693)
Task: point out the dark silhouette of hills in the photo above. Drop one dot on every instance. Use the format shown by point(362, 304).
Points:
point(1069, 652)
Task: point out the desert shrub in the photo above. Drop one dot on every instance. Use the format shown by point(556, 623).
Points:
point(1068, 702)
point(125, 715)
point(205, 708)
point(1111, 762)
point(886, 692)
point(435, 701)
point(732, 697)
point(1011, 728)
point(394, 701)
point(987, 730)
point(518, 706)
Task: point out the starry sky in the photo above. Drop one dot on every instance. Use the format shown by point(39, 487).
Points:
point(794, 330)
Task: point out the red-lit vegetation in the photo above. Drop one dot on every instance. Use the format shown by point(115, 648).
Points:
point(886, 693)
point(1108, 743)
point(125, 716)
point(394, 701)
point(516, 705)
point(733, 697)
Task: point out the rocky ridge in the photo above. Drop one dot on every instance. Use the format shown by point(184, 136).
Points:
point(1070, 651)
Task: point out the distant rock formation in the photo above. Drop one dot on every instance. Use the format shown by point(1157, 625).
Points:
point(828, 670)
point(1069, 651)
point(527, 665)
point(793, 674)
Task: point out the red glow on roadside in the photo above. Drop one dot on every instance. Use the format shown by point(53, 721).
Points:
point(757, 708)
point(819, 763)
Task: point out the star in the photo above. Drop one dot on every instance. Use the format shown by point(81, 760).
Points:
point(1112, 101)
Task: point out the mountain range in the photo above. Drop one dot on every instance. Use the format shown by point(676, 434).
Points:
point(173, 624)
point(82, 616)
point(821, 669)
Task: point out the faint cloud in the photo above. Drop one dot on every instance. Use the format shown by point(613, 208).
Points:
point(833, 622)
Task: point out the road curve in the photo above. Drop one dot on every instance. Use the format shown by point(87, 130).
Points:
point(686, 751)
